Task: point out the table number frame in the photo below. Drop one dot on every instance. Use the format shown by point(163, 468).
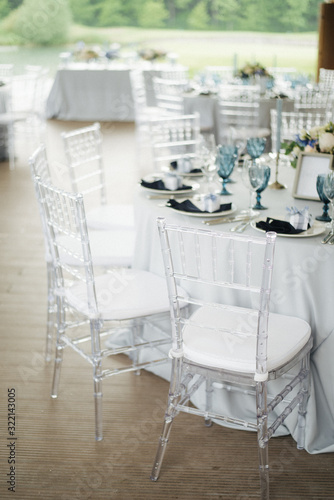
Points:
point(309, 166)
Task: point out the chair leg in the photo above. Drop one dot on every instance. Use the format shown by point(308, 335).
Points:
point(50, 324)
point(59, 348)
point(302, 407)
point(208, 404)
point(98, 402)
point(57, 370)
point(163, 441)
point(264, 472)
point(171, 412)
point(262, 425)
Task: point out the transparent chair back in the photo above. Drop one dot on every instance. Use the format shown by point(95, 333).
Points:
point(326, 79)
point(83, 151)
point(173, 138)
point(313, 100)
point(239, 107)
point(169, 95)
point(176, 73)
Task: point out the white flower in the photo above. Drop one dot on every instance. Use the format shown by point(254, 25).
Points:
point(303, 134)
point(315, 132)
point(296, 151)
point(326, 142)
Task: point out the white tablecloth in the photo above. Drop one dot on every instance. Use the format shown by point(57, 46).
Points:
point(303, 286)
point(98, 92)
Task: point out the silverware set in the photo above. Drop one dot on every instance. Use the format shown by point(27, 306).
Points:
point(329, 238)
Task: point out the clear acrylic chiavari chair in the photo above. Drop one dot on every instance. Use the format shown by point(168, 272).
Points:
point(110, 249)
point(230, 339)
point(173, 138)
point(83, 152)
point(93, 307)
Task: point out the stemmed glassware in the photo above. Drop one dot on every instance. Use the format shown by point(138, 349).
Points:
point(255, 147)
point(265, 173)
point(320, 189)
point(253, 176)
point(328, 189)
point(227, 156)
point(207, 156)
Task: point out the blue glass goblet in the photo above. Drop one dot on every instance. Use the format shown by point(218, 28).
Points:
point(265, 175)
point(227, 156)
point(255, 147)
point(320, 189)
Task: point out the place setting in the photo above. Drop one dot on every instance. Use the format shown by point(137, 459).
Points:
point(167, 184)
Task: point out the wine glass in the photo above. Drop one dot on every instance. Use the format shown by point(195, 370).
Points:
point(266, 175)
point(227, 156)
point(329, 192)
point(320, 189)
point(253, 177)
point(207, 152)
point(255, 147)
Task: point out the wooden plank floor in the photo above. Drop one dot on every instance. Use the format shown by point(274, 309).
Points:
point(55, 451)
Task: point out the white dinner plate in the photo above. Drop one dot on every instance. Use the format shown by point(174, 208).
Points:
point(207, 214)
point(182, 174)
point(168, 192)
point(316, 229)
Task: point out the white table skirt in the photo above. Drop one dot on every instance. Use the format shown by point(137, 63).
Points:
point(303, 286)
point(98, 92)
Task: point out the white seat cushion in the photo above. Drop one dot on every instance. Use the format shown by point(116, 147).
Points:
point(111, 217)
point(124, 294)
point(286, 336)
point(108, 248)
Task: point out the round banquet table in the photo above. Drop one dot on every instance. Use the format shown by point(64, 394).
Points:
point(302, 286)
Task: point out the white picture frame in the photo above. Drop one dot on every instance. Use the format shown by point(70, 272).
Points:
point(309, 166)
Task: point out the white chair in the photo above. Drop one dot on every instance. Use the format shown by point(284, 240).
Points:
point(177, 72)
point(239, 113)
point(143, 112)
point(219, 74)
point(173, 138)
point(326, 79)
point(313, 100)
point(109, 248)
point(92, 309)
point(292, 123)
point(231, 341)
point(83, 151)
point(169, 94)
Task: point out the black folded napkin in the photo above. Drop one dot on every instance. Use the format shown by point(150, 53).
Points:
point(159, 184)
point(279, 226)
point(173, 164)
point(188, 206)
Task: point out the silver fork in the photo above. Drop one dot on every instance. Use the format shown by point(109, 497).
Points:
point(328, 238)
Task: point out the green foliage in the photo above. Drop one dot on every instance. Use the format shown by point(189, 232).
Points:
point(42, 22)
point(199, 18)
point(111, 14)
point(239, 15)
point(153, 14)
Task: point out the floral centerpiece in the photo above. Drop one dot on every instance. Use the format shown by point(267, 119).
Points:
point(251, 70)
point(151, 54)
point(318, 139)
